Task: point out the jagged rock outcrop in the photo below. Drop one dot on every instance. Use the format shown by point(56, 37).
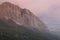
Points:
point(20, 16)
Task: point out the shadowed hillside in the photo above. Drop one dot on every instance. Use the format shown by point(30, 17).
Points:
point(9, 30)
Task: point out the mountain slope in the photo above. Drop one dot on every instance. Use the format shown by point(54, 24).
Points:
point(9, 30)
point(20, 16)
point(20, 24)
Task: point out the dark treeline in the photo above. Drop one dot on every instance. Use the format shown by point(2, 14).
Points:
point(12, 31)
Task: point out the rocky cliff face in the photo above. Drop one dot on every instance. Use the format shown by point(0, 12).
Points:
point(20, 16)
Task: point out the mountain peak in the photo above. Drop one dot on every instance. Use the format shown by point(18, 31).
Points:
point(23, 16)
point(6, 3)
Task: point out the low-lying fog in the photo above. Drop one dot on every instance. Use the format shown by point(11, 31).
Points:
point(52, 19)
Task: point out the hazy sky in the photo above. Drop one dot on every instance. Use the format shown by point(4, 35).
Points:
point(35, 6)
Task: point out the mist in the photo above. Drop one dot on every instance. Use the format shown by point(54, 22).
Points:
point(52, 19)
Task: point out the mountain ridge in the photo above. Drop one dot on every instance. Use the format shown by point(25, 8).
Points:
point(21, 24)
point(21, 16)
